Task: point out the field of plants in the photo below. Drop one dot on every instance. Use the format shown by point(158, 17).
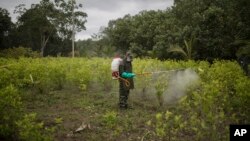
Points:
point(76, 99)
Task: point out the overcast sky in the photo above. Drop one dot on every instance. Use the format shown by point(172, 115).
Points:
point(99, 11)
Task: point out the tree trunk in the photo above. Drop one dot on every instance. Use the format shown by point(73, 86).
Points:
point(44, 42)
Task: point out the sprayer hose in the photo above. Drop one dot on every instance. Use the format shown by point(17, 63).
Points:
point(127, 83)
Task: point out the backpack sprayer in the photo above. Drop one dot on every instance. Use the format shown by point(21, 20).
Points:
point(115, 70)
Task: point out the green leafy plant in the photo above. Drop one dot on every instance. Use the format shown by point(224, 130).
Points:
point(160, 87)
point(30, 130)
point(110, 119)
point(10, 109)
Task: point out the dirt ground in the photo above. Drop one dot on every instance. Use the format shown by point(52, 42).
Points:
point(96, 112)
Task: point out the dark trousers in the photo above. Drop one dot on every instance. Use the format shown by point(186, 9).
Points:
point(123, 97)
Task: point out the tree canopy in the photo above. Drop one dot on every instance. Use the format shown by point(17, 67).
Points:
point(216, 27)
point(199, 29)
point(5, 28)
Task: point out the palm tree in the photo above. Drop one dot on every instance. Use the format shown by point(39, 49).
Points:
point(243, 47)
point(186, 52)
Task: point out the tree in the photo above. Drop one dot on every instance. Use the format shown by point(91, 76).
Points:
point(34, 24)
point(187, 52)
point(69, 16)
point(70, 20)
point(217, 26)
point(144, 31)
point(141, 33)
point(49, 23)
point(5, 28)
point(119, 32)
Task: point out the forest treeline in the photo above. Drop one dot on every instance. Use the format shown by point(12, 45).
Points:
point(45, 27)
point(190, 29)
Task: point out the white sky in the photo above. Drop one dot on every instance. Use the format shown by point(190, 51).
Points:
point(99, 11)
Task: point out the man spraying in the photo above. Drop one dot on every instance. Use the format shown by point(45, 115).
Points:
point(125, 71)
point(125, 77)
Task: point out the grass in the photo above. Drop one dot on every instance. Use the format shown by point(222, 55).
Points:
point(68, 108)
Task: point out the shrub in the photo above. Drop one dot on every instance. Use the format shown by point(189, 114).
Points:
point(110, 119)
point(30, 130)
point(10, 109)
point(221, 99)
point(15, 126)
point(18, 52)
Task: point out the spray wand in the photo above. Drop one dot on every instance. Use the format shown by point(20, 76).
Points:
point(158, 72)
point(127, 83)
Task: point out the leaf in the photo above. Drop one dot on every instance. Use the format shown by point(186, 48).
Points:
point(178, 50)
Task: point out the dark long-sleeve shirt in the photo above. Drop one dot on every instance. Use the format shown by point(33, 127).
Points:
point(126, 67)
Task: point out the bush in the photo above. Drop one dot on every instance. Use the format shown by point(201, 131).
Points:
point(15, 126)
point(205, 111)
point(10, 109)
point(30, 130)
point(18, 52)
point(110, 119)
point(221, 99)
